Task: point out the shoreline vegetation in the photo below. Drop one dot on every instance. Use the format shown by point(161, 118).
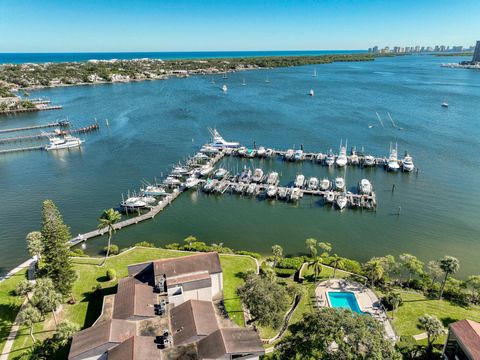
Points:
point(14, 77)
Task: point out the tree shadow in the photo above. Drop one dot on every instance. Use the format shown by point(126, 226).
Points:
point(447, 320)
point(241, 275)
point(103, 278)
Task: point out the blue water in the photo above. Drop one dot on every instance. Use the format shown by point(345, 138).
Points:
point(18, 58)
point(345, 300)
point(154, 124)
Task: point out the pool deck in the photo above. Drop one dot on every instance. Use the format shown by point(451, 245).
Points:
point(366, 299)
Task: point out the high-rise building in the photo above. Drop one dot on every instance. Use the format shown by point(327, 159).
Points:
point(476, 54)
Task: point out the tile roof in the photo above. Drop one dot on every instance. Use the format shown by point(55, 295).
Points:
point(230, 341)
point(468, 333)
point(192, 320)
point(136, 348)
point(133, 299)
point(188, 264)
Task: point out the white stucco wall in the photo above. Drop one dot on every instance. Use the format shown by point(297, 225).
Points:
point(217, 286)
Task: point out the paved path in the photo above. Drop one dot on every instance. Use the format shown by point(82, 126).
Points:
point(12, 335)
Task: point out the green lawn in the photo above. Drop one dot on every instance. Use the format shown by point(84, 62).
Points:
point(9, 304)
point(89, 303)
point(416, 305)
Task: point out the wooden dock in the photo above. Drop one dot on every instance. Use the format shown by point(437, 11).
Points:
point(44, 135)
point(39, 108)
point(62, 123)
point(28, 148)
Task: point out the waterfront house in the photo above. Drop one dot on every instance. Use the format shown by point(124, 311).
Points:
point(463, 341)
point(197, 277)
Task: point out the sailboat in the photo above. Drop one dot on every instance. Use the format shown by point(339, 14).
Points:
point(224, 88)
point(244, 83)
point(314, 73)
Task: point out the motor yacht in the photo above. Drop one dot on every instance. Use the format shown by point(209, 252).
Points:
point(208, 149)
point(206, 169)
point(246, 175)
point(152, 190)
point(298, 155)
point(407, 163)
point(295, 194)
point(342, 156)
point(261, 152)
point(220, 173)
point(325, 184)
point(271, 191)
point(354, 160)
point(368, 160)
point(133, 203)
point(283, 193)
point(392, 164)
point(68, 141)
point(313, 183)
point(191, 182)
point(171, 181)
point(272, 178)
point(340, 183)
point(341, 201)
point(289, 154)
point(329, 196)
point(365, 187)
point(252, 189)
point(251, 153)
point(210, 185)
point(257, 175)
point(311, 93)
point(330, 159)
point(219, 142)
point(242, 151)
point(299, 181)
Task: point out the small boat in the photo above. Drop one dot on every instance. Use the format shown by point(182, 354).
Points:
point(191, 182)
point(200, 157)
point(257, 175)
point(295, 194)
point(244, 83)
point(283, 193)
point(312, 183)
point(298, 155)
point(272, 178)
point(330, 159)
point(445, 103)
point(224, 88)
point(148, 199)
point(208, 149)
point(261, 152)
point(341, 201)
point(134, 203)
point(299, 180)
point(220, 142)
point(320, 157)
point(269, 153)
point(407, 163)
point(210, 185)
point(271, 191)
point(179, 170)
point(68, 141)
point(325, 184)
point(220, 173)
point(340, 183)
point(365, 187)
point(311, 93)
point(289, 154)
point(251, 153)
point(171, 181)
point(392, 163)
point(368, 160)
point(252, 189)
point(242, 151)
point(342, 156)
point(238, 188)
point(246, 175)
point(329, 196)
point(151, 190)
point(206, 169)
point(354, 160)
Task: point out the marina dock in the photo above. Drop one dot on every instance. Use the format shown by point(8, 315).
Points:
point(44, 135)
point(62, 123)
point(41, 107)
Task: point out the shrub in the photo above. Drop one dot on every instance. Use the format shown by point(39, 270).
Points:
point(388, 300)
point(114, 250)
point(290, 263)
point(77, 252)
point(145, 244)
point(252, 254)
point(174, 246)
point(111, 274)
point(351, 266)
point(284, 273)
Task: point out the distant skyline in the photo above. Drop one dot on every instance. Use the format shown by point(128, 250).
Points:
point(206, 25)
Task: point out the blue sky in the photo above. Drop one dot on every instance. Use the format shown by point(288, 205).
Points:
point(203, 25)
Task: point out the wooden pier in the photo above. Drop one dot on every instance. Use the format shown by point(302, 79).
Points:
point(28, 148)
point(39, 108)
point(62, 123)
point(44, 135)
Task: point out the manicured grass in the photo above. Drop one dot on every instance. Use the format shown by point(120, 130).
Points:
point(89, 303)
point(9, 304)
point(416, 305)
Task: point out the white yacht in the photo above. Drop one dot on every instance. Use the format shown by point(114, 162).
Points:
point(283, 193)
point(209, 149)
point(354, 160)
point(224, 88)
point(445, 103)
point(179, 170)
point(342, 156)
point(148, 199)
point(365, 187)
point(340, 183)
point(192, 181)
point(206, 169)
point(269, 153)
point(341, 201)
point(325, 184)
point(220, 173)
point(299, 180)
point(251, 153)
point(133, 203)
point(171, 181)
point(320, 157)
point(152, 190)
point(242, 151)
point(407, 163)
point(257, 175)
point(311, 93)
point(392, 164)
point(289, 154)
point(312, 183)
point(368, 160)
point(330, 159)
point(238, 188)
point(261, 152)
point(66, 142)
point(329, 196)
point(272, 190)
point(252, 189)
point(272, 178)
point(295, 194)
point(220, 142)
point(245, 175)
point(210, 185)
point(298, 155)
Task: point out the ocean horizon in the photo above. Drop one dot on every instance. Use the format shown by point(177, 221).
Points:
point(21, 58)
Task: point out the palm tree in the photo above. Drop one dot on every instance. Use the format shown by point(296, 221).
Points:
point(395, 299)
point(108, 219)
point(316, 264)
point(29, 316)
point(337, 261)
point(311, 245)
point(432, 326)
point(65, 332)
point(374, 270)
point(449, 265)
point(277, 251)
point(23, 288)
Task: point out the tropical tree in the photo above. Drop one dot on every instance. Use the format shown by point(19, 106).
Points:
point(393, 300)
point(277, 252)
point(266, 300)
point(473, 283)
point(351, 335)
point(449, 265)
point(56, 249)
point(65, 332)
point(108, 219)
point(336, 262)
point(374, 270)
point(434, 270)
point(326, 247)
point(46, 298)
point(411, 264)
point(311, 245)
point(34, 243)
point(29, 316)
point(316, 265)
point(23, 288)
point(189, 240)
point(432, 326)
point(268, 272)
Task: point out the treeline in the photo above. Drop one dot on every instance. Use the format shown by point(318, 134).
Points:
point(70, 73)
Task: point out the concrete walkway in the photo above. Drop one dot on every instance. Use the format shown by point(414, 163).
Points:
point(12, 335)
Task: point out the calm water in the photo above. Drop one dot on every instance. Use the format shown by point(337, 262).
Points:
point(155, 124)
point(18, 58)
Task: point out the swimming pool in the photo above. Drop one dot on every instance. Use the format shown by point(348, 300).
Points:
point(345, 300)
